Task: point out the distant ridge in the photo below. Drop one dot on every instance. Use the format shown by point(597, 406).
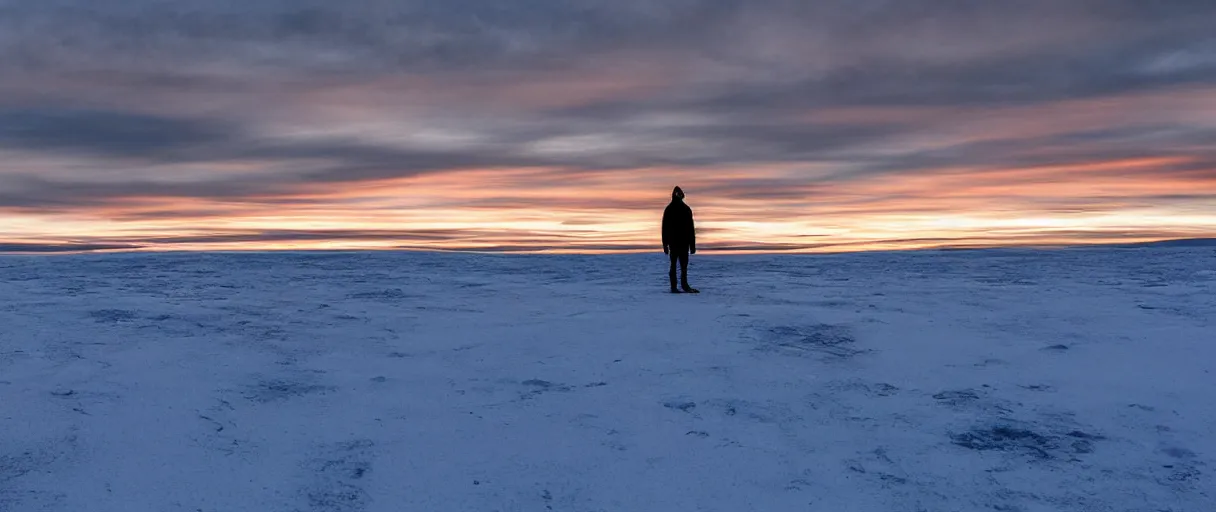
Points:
point(68, 248)
point(1181, 242)
point(26, 248)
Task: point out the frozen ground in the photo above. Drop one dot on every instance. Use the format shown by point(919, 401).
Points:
point(1076, 380)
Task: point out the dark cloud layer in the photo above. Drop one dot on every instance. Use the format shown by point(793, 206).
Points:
point(740, 59)
point(107, 133)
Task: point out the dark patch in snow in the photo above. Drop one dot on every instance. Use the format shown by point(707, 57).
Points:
point(957, 397)
point(1082, 447)
point(887, 477)
point(274, 390)
point(832, 303)
point(682, 405)
point(1178, 453)
point(1183, 474)
point(33, 458)
point(1082, 435)
point(1026, 442)
point(880, 389)
point(797, 485)
point(877, 465)
point(1006, 439)
point(224, 436)
point(1059, 347)
point(14, 465)
point(1039, 387)
point(393, 294)
point(595, 384)
point(698, 433)
point(761, 412)
point(542, 386)
point(380, 378)
point(219, 427)
point(1084, 442)
point(334, 476)
point(833, 340)
point(30, 499)
point(338, 497)
point(112, 315)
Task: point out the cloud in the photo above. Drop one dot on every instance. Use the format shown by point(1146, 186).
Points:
point(437, 239)
point(306, 235)
point(110, 133)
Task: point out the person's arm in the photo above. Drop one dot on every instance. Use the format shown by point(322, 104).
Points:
point(666, 228)
point(692, 234)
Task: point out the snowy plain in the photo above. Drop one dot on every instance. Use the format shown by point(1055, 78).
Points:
point(1002, 380)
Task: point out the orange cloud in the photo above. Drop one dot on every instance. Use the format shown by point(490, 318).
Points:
point(547, 209)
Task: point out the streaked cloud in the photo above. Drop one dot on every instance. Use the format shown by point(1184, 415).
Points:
point(563, 124)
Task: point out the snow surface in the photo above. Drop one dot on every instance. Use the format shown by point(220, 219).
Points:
point(1070, 380)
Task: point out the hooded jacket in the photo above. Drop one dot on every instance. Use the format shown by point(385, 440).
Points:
point(678, 229)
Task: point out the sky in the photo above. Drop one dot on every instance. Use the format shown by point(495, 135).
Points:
point(562, 125)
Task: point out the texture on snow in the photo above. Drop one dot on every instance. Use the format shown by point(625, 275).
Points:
point(1075, 380)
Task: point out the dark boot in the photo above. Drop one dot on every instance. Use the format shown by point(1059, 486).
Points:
point(684, 284)
point(673, 283)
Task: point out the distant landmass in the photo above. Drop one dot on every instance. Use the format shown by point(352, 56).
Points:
point(28, 248)
point(1183, 242)
point(34, 248)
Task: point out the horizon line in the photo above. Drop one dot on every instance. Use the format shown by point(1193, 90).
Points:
point(65, 249)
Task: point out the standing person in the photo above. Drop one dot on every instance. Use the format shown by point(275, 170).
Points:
point(679, 238)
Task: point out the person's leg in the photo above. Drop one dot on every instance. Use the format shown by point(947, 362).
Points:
point(684, 270)
point(672, 273)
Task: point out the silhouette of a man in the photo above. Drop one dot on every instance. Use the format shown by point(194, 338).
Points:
point(679, 238)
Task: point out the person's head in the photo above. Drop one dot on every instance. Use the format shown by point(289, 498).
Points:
point(677, 194)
